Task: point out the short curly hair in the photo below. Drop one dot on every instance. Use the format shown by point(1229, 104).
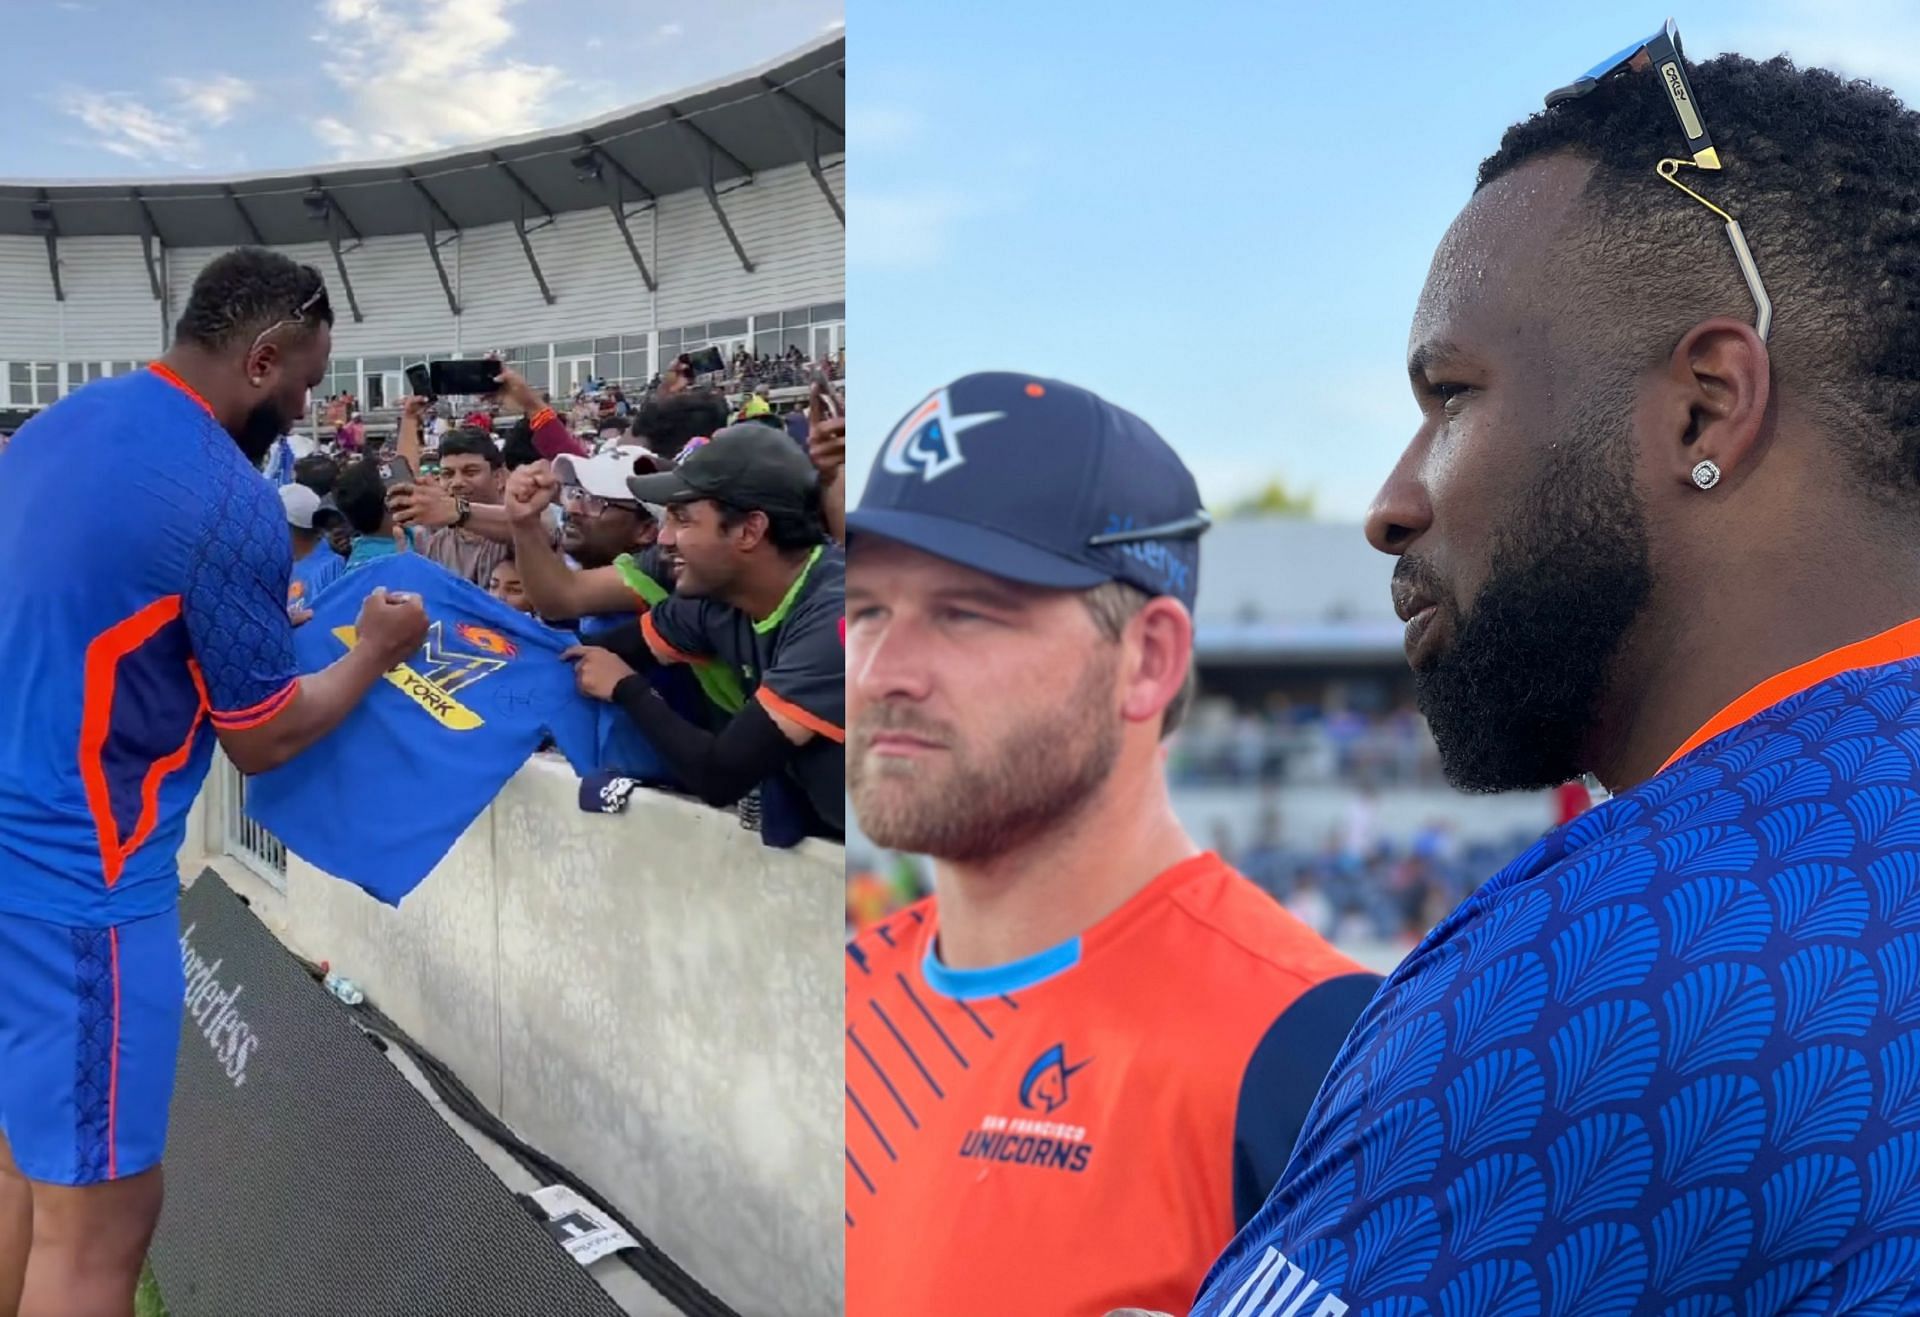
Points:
point(247, 290)
point(1823, 173)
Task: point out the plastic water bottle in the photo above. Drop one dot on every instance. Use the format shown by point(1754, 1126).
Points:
point(345, 989)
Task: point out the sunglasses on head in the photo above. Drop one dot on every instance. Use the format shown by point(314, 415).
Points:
point(299, 317)
point(1187, 528)
point(1661, 54)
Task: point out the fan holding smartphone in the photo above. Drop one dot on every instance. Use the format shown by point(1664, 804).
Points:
point(827, 446)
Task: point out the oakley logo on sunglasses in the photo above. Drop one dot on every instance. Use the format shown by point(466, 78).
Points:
point(927, 442)
point(1677, 90)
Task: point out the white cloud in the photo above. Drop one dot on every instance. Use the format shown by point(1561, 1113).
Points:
point(906, 229)
point(128, 127)
point(212, 100)
point(881, 127)
point(415, 75)
point(668, 31)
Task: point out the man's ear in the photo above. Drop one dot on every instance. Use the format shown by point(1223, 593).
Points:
point(261, 360)
point(1721, 383)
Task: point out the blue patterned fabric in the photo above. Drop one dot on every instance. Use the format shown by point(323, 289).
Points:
point(126, 639)
point(1666, 1062)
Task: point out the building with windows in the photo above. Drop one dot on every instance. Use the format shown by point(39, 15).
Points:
point(714, 216)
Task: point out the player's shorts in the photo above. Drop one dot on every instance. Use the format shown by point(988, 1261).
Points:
point(89, 1033)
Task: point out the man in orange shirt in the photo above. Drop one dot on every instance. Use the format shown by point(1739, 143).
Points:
point(1079, 1067)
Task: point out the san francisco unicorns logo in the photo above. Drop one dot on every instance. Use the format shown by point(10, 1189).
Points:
point(928, 441)
point(1045, 1087)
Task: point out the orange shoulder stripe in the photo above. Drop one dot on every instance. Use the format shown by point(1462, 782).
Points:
point(662, 649)
point(1901, 642)
point(794, 713)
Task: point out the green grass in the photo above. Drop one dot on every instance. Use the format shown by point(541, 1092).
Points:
point(146, 1300)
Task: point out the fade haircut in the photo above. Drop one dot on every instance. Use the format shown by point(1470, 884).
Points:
point(247, 290)
point(1823, 173)
point(1112, 605)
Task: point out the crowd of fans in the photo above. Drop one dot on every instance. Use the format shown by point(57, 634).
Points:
point(547, 518)
point(1291, 743)
point(1359, 887)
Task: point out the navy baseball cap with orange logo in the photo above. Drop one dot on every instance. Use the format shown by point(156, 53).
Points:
point(1036, 481)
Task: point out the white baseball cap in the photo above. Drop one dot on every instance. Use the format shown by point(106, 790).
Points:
point(605, 476)
point(301, 503)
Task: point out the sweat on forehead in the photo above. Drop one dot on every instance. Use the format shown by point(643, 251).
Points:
point(1500, 272)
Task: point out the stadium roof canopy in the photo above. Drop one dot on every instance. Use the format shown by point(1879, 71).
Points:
point(791, 110)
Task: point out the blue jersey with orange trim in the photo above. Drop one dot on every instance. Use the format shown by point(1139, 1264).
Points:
point(312, 574)
point(143, 603)
point(1081, 1130)
point(459, 716)
point(1667, 1062)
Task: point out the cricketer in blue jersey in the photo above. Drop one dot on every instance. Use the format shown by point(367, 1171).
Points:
point(459, 717)
point(124, 655)
point(1668, 1061)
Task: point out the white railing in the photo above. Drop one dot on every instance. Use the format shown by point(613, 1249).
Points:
point(245, 840)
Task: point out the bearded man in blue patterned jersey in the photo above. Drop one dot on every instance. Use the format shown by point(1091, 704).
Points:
point(1658, 523)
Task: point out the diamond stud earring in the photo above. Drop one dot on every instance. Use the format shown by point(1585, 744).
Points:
point(1706, 475)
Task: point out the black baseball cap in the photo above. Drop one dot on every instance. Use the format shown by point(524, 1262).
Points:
point(748, 465)
point(1037, 481)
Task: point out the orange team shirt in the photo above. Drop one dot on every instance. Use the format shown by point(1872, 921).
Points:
point(1084, 1129)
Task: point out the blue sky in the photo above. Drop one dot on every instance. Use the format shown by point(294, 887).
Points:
point(1216, 215)
point(119, 88)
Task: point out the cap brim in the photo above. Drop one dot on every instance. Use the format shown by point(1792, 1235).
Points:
point(989, 551)
point(662, 488)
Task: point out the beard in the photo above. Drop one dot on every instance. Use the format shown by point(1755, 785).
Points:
point(263, 425)
point(966, 807)
point(1513, 699)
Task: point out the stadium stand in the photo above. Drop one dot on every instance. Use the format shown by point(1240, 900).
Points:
point(712, 217)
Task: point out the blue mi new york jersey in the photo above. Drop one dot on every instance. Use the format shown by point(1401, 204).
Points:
point(1667, 1062)
point(383, 797)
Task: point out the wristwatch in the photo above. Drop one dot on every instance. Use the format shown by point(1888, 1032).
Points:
point(463, 510)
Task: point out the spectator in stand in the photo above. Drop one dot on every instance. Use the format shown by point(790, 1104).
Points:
point(472, 473)
point(352, 436)
point(315, 564)
point(623, 569)
point(505, 585)
point(604, 521)
point(761, 593)
point(827, 448)
point(518, 449)
point(362, 498)
point(795, 422)
point(318, 473)
point(321, 473)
